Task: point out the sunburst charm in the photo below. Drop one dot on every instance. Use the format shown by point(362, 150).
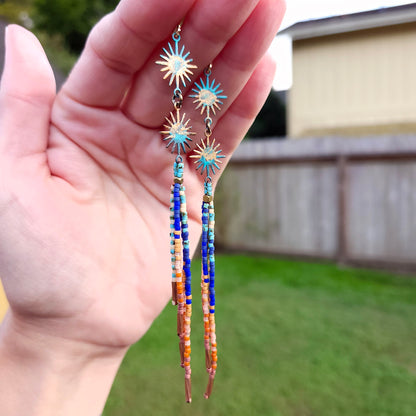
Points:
point(178, 132)
point(176, 64)
point(208, 156)
point(208, 96)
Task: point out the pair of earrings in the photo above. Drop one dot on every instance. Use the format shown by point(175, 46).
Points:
point(207, 94)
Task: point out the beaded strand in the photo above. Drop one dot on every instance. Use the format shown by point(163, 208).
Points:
point(205, 284)
point(181, 286)
point(208, 284)
point(172, 247)
point(188, 295)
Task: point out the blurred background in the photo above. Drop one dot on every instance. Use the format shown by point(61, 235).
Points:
point(316, 224)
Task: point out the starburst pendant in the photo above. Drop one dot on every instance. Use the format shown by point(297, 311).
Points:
point(176, 64)
point(208, 96)
point(177, 132)
point(208, 156)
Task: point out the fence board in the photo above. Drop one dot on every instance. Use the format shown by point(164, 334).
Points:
point(280, 208)
point(381, 211)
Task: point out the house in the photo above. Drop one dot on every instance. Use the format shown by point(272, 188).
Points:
point(354, 74)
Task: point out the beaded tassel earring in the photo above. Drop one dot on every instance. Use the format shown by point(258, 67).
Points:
point(177, 65)
point(208, 97)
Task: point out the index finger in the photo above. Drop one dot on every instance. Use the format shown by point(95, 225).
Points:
point(118, 46)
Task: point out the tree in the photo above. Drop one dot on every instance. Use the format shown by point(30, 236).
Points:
point(72, 19)
point(271, 121)
point(11, 10)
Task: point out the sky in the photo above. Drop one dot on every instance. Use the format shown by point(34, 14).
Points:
point(300, 10)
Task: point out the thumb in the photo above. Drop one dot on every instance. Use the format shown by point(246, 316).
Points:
point(26, 95)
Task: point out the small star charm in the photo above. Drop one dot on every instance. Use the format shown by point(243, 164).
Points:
point(208, 96)
point(178, 132)
point(208, 156)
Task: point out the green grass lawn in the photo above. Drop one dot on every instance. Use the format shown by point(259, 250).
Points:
point(295, 339)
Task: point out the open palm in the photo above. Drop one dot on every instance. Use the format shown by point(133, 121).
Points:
point(85, 176)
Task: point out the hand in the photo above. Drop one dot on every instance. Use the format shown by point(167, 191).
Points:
point(85, 176)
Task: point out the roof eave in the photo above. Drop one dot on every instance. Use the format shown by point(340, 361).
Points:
point(349, 23)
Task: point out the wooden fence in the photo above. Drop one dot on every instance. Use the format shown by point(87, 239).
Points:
point(352, 200)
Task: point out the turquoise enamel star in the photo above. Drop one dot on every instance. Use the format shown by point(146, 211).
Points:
point(176, 64)
point(177, 132)
point(208, 157)
point(207, 96)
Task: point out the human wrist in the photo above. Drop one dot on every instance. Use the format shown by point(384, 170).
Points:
point(47, 375)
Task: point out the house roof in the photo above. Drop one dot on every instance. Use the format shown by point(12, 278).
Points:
point(382, 17)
